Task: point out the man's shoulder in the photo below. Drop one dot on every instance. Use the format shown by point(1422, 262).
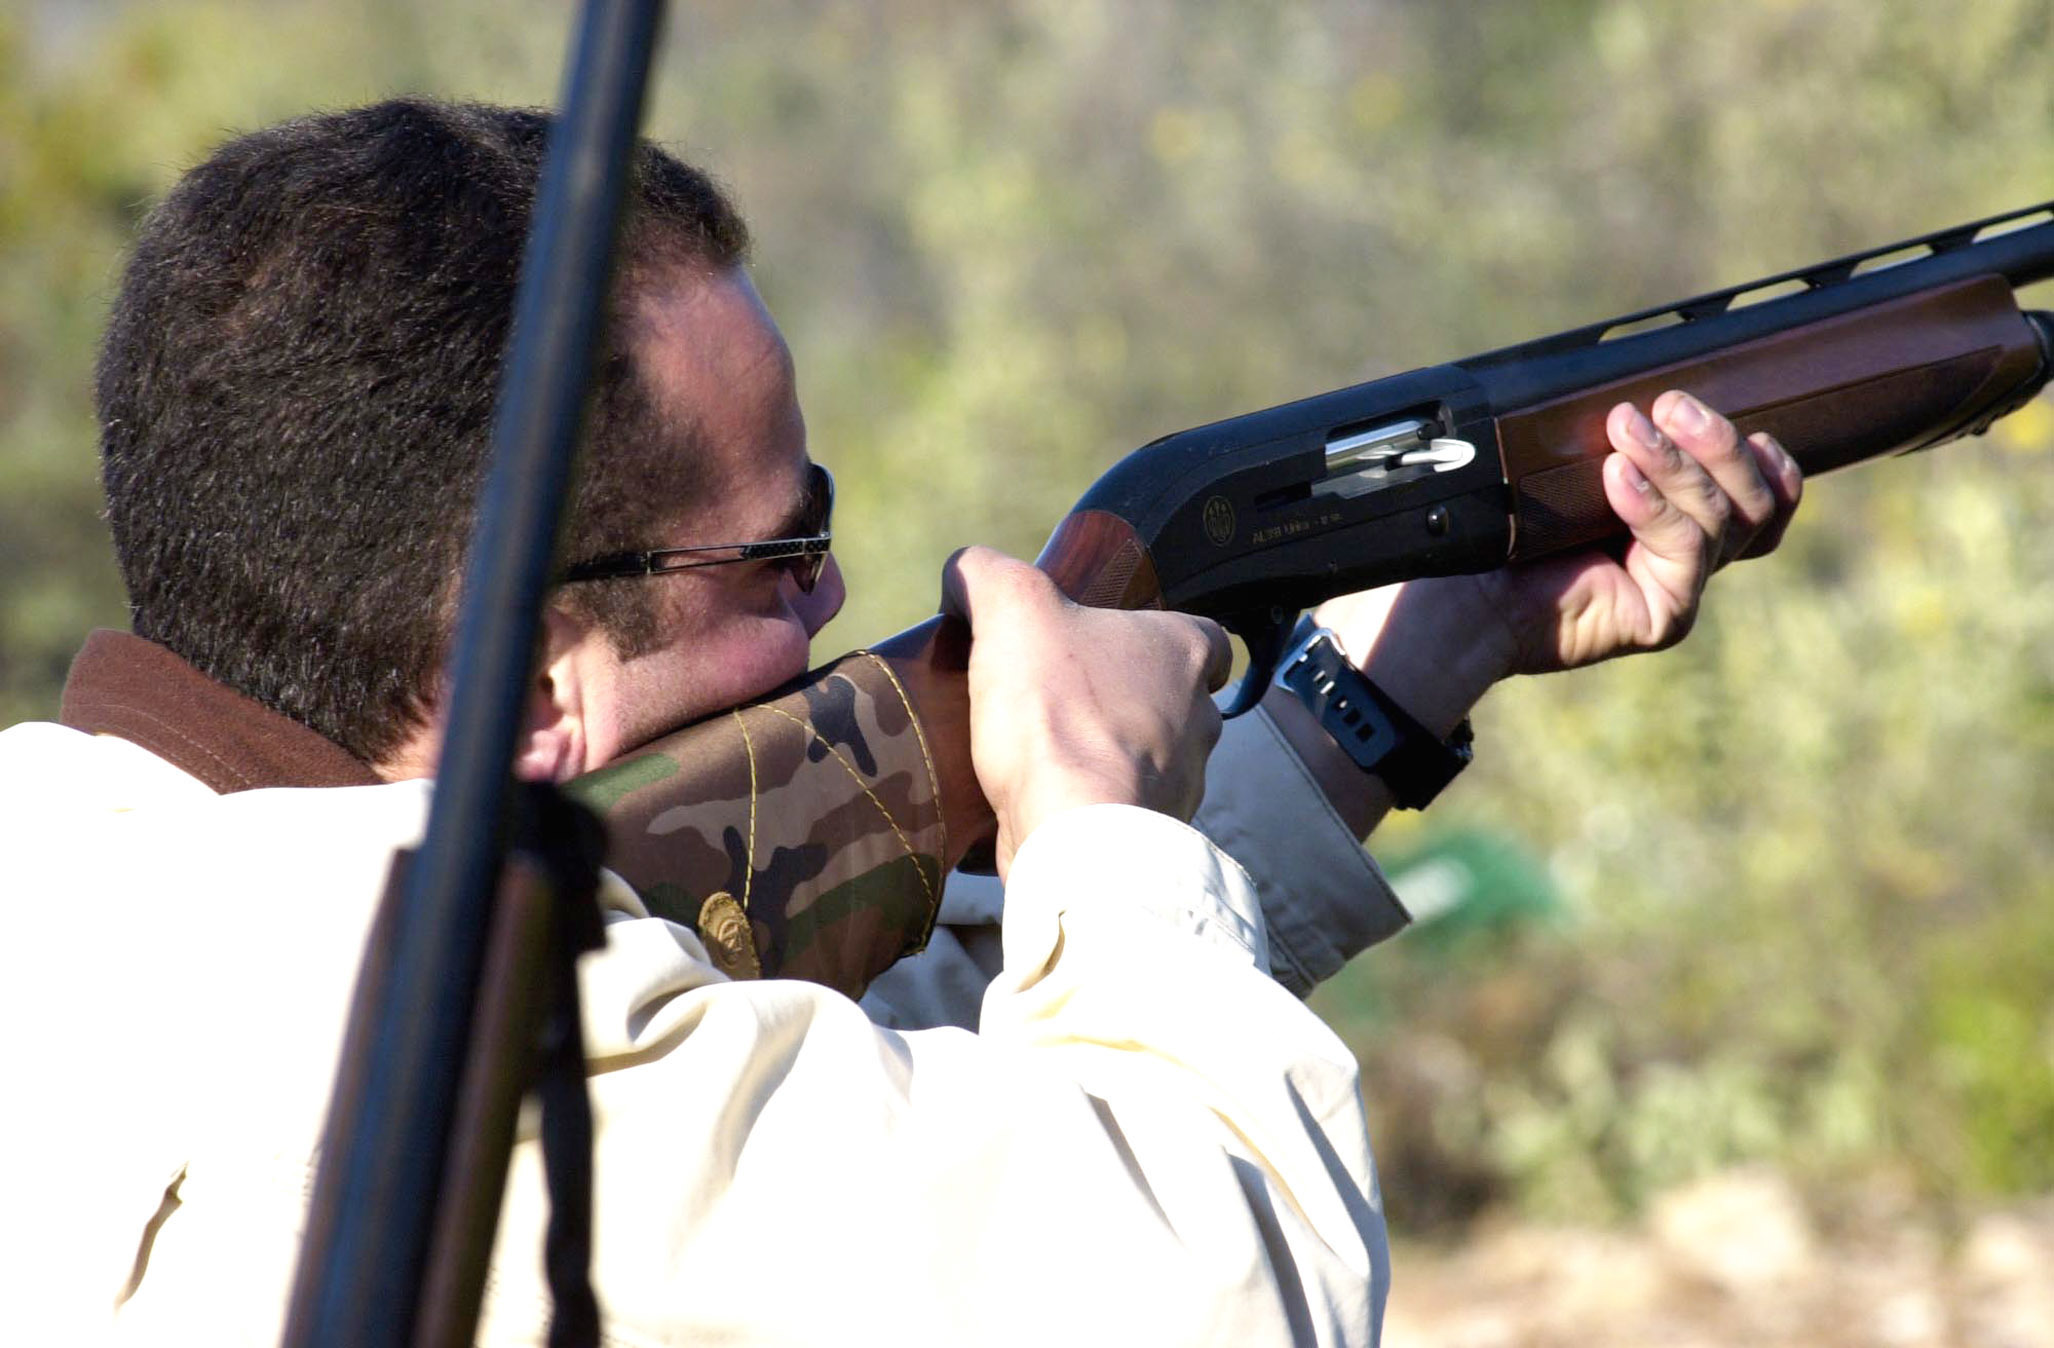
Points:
point(99, 803)
point(45, 766)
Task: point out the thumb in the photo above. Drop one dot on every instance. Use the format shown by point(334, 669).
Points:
point(980, 578)
point(955, 587)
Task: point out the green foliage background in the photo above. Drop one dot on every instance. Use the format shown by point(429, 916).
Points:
point(1803, 860)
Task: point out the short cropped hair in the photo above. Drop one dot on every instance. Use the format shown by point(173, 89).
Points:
point(296, 397)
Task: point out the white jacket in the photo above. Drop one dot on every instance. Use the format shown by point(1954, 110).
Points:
point(1148, 1139)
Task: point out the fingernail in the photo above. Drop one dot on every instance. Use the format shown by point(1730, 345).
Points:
point(1641, 429)
point(1637, 479)
point(1688, 414)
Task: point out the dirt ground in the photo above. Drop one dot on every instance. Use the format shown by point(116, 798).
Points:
point(1735, 1259)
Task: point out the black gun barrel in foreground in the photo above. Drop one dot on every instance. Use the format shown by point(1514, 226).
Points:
point(1454, 468)
point(468, 953)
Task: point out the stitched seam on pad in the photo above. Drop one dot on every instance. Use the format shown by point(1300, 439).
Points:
point(941, 818)
point(850, 768)
point(920, 738)
point(749, 851)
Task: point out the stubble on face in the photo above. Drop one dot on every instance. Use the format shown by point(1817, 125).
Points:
point(723, 380)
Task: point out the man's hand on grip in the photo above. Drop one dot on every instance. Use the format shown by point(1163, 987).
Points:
point(1077, 706)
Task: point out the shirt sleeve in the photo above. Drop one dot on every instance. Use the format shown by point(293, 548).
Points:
point(1148, 1141)
point(1324, 900)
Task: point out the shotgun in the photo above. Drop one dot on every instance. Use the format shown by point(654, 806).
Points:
point(808, 835)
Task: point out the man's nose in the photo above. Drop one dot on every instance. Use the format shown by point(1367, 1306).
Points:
point(829, 593)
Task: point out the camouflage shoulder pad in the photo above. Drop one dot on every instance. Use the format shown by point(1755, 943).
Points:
point(801, 837)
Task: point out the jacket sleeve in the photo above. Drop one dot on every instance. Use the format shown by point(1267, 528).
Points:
point(1149, 1140)
point(1324, 899)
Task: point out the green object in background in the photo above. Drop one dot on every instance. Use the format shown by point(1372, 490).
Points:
point(1473, 892)
point(1470, 885)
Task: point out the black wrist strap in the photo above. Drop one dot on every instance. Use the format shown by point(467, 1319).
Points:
point(1371, 729)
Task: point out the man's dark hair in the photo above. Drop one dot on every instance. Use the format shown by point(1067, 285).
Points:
point(296, 394)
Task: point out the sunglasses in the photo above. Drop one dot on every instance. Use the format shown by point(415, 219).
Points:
point(804, 555)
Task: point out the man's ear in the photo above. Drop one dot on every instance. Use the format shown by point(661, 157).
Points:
point(561, 701)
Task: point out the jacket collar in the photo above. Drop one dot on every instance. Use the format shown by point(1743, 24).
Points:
point(125, 685)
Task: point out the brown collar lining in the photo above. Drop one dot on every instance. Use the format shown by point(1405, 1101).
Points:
point(124, 685)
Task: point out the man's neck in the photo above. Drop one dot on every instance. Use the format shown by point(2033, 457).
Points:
point(125, 685)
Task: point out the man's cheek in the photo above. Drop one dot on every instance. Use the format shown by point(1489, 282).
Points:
point(753, 662)
point(782, 654)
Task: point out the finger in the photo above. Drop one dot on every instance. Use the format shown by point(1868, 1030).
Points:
point(1715, 444)
point(955, 588)
point(1680, 479)
point(1668, 560)
point(1785, 479)
point(1203, 727)
point(1219, 654)
point(1207, 723)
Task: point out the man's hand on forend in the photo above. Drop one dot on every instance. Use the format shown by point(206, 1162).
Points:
point(1695, 494)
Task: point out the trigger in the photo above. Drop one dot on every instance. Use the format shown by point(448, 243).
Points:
point(1265, 632)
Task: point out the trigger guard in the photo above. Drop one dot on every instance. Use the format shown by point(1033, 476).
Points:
point(1265, 635)
point(1247, 694)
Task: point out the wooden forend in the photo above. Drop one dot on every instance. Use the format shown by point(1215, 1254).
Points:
point(1900, 376)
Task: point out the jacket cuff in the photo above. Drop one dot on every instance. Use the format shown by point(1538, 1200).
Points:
point(1148, 866)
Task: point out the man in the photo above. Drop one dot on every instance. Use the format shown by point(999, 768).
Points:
point(1147, 1138)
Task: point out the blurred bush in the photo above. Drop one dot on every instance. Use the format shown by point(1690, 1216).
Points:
point(1803, 859)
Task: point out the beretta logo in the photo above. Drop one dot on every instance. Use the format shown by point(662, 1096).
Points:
point(1219, 521)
